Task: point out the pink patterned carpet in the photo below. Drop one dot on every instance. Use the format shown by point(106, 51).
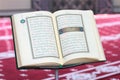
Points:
point(109, 29)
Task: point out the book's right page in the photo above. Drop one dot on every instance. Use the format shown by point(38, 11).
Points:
point(79, 38)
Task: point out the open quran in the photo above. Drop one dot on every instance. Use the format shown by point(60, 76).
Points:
point(64, 37)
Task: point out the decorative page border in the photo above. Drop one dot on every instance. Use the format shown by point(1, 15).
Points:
point(46, 35)
point(82, 31)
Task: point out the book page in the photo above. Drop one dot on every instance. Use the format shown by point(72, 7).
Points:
point(36, 39)
point(72, 34)
point(42, 36)
point(77, 35)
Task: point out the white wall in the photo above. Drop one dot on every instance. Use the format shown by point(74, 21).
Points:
point(15, 4)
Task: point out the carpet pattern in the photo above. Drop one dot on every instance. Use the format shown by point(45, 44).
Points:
point(109, 29)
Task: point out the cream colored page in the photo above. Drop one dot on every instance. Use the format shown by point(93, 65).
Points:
point(72, 35)
point(42, 36)
point(58, 40)
point(78, 43)
point(36, 38)
point(98, 41)
point(16, 43)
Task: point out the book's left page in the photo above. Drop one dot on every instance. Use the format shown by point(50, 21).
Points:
point(35, 39)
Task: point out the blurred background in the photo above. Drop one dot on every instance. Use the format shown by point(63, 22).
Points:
point(108, 23)
point(8, 7)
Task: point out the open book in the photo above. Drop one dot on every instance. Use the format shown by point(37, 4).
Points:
point(60, 38)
